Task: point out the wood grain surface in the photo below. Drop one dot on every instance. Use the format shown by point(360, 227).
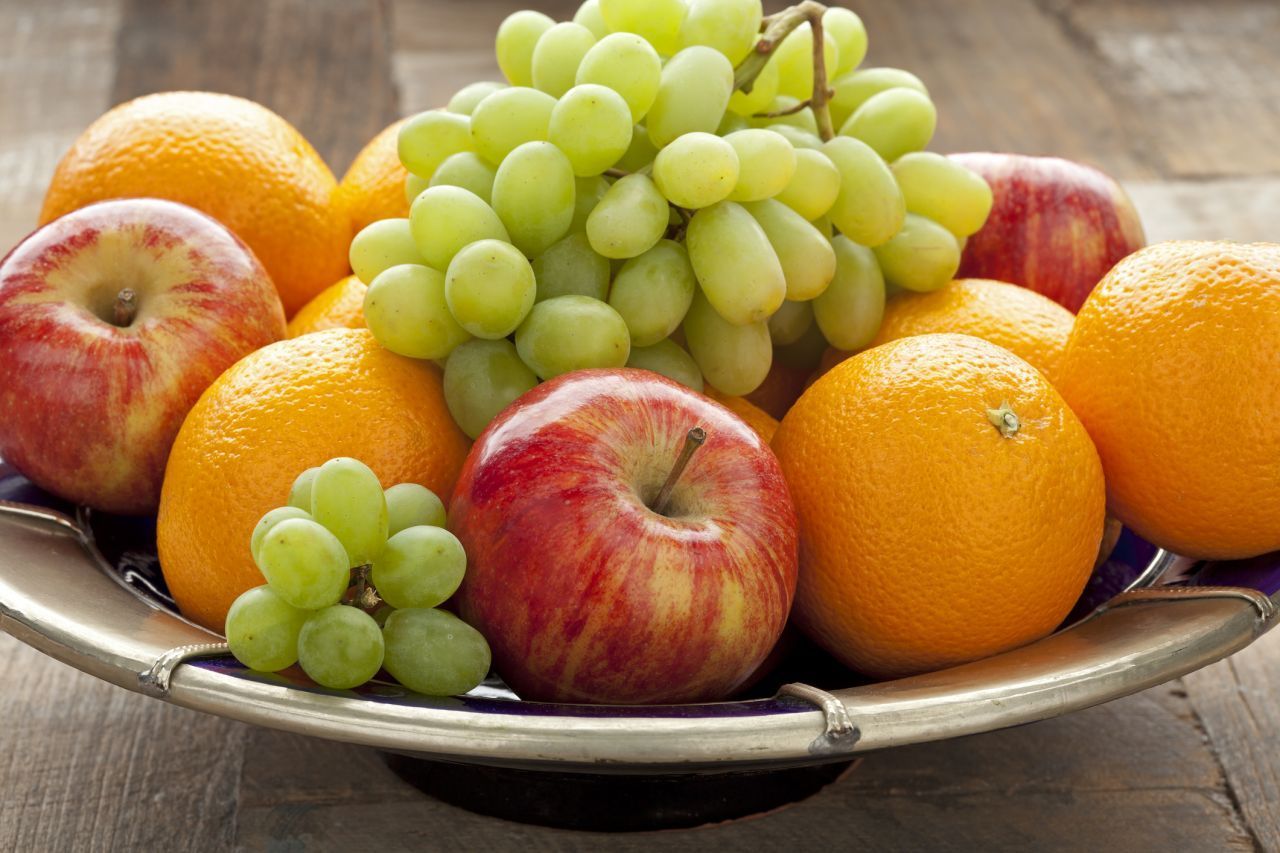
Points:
point(1179, 99)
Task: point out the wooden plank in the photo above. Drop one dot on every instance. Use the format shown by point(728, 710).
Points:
point(1241, 209)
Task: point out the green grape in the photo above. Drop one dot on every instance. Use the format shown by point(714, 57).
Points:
point(409, 505)
point(668, 359)
point(270, 520)
point(941, 189)
point(731, 123)
point(300, 491)
point(405, 310)
point(489, 288)
point(481, 379)
point(414, 185)
point(736, 266)
point(533, 195)
point(801, 119)
point(434, 652)
point(262, 630)
point(347, 499)
point(380, 245)
point(588, 15)
point(923, 256)
point(304, 563)
point(795, 61)
point(466, 99)
point(517, 37)
point(735, 359)
point(341, 647)
point(850, 310)
point(628, 65)
point(869, 208)
point(509, 118)
point(382, 614)
point(804, 354)
point(766, 163)
point(789, 323)
point(823, 224)
point(591, 124)
point(696, 170)
point(427, 138)
point(814, 186)
point(469, 171)
point(853, 89)
point(652, 292)
point(571, 266)
point(444, 219)
point(850, 36)
point(763, 90)
point(808, 263)
point(586, 195)
point(692, 95)
point(630, 218)
point(657, 20)
point(730, 26)
point(893, 122)
point(572, 333)
point(557, 55)
point(640, 153)
point(798, 137)
point(419, 567)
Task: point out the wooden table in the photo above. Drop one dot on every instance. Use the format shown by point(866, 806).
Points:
point(1179, 99)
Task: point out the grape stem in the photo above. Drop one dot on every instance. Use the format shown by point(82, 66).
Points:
point(692, 441)
point(776, 29)
point(362, 594)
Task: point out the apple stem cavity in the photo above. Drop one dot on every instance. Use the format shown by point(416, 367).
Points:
point(1005, 420)
point(692, 441)
point(776, 29)
point(125, 308)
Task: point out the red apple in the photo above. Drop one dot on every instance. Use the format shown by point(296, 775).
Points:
point(1056, 227)
point(113, 320)
point(585, 592)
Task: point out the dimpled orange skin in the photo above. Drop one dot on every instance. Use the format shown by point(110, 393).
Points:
point(1174, 366)
point(233, 159)
point(755, 417)
point(275, 413)
point(340, 306)
point(927, 538)
point(373, 187)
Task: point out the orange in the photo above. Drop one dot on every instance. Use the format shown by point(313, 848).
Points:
point(929, 536)
point(340, 306)
point(1174, 366)
point(272, 415)
point(233, 159)
point(373, 187)
point(782, 386)
point(758, 419)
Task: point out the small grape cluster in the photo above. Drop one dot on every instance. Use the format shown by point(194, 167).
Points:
point(665, 184)
point(354, 576)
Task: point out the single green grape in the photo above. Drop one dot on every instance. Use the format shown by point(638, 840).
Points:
point(640, 153)
point(465, 100)
point(763, 90)
point(467, 170)
point(380, 245)
point(405, 309)
point(941, 189)
point(736, 266)
point(731, 123)
point(667, 358)
point(420, 566)
point(587, 193)
point(509, 118)
point(517, 37)
point(533, 196)
point(262, 630)
point(489, 288)
point(304, 563)
point(557, 55)
point(813, 188)
point(428, 138)
point(481, 379)
point(893, 122)
point(850, 311)
point(341, 647)
point(300, 491)
point(734, 359)
point(795, 61)
point(850, 36)
point(658, 21)
point(591, 124)
point(923, 256)
point(869, 209)
point(572, 333)
point(730, 26)
point(571, 266)
point(347, 499)
point(630, 218)
point(409, 505)
point(269, 520)
point(414, 185)
point(854, 88)
point(434, 652)
point(804, 354)
point(697, 170)
point(652, 292)
point(799, 138)
point(588, 15)
point(790, 322)
point(804, 252)
point(767, 162)
point(444, 219)
point(627, 64)
point(693, 94)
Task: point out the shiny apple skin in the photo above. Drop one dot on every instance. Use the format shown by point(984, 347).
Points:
point(587, 595)
point(88, 409)
point(1056, 226)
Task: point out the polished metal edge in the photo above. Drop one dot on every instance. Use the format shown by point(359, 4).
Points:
point(1261, 602)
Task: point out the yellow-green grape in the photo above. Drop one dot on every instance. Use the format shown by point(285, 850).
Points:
point(798, 137)
point(405, 310)
point(737, 269)
point(490, 288)
point(808, 263)
point(434, 652)
point(730, 123)
point(789, 323)
point(652, 292)
point(923, 256)
point(509, 118)
point(481, 379)
point(869, 208)
point(428, 138)
point(420, 566)
point(627, 64)
point(517, 37)
point(814, 186)
point(414, 185)
point(804, 354)
point(730, 26)
point(823, 224)
point(786, 105)
point(853, 89)
point(591, 124)
point(766, 163)
point(533, 196)
point(411, 504)
point(850, 36)
point(381, 245)
point(734, 359)
point(300, 491)
point(588, 15)
point(571, 267)
point(572, 333)
point(941, 189)
point(347, 499)
point(444, 219)
point(304, 563)
point(630, 218)
point(557, 55)
point(667, 358)
point(795, 61)
point(270, 520)
point(696, 170)
point(763, 90)
point(849, 312)
point(692, 95)
point(469, 171)
point(640, 153)
point(894, 122)
point(340, 647)
point(262, 630)
point(587, 193)
point(657, 20)
point(466, 99)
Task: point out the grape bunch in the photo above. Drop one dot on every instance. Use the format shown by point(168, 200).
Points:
point(354, 576)
point(684, 186)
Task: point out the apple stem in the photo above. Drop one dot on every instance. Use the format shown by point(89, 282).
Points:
point(1005, 420)
point(126, 307)
point(692, 441)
